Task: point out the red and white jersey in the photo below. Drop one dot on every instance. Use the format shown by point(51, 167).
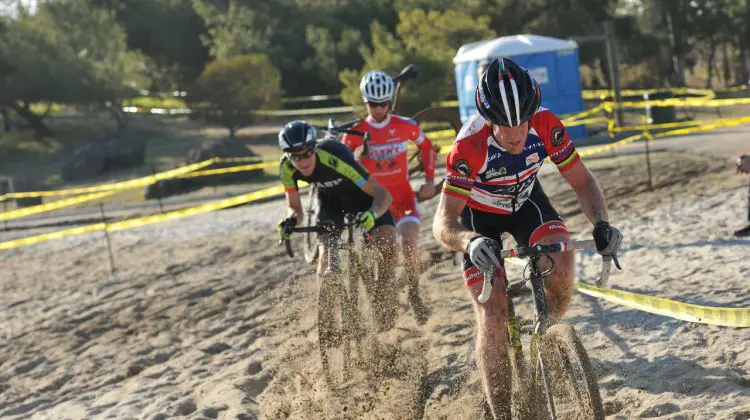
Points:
point(492, 179)
point(387, 158)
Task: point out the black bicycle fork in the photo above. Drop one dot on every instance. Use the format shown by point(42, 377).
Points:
point(541, 322)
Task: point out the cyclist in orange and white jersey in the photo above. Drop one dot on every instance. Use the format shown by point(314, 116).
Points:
point(386, 159)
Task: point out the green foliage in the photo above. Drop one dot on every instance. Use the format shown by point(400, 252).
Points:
point(169, 33)
point(428, 39)
point(229, 90)
point(72, 53)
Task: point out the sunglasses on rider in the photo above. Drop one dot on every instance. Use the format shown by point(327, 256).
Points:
point(377, 104)
point(301, 155)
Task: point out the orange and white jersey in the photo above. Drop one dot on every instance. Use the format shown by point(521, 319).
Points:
point(387, 158)
point(492, 179)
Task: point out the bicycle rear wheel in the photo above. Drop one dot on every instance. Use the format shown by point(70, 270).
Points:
point(562, 360)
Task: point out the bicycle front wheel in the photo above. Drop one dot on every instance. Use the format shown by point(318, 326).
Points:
point(311, 238)
point(333, 335)
point(563, 372)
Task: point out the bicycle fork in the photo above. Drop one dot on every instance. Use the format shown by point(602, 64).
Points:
point(542, 322)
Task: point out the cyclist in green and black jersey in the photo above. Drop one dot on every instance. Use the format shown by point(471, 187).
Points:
point(344, 187)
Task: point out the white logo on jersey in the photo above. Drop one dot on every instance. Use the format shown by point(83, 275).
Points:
point(330, 184)
point(386, 151)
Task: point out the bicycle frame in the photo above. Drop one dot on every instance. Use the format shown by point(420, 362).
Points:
point(541, 305)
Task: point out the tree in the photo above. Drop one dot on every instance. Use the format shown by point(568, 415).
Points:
point(71, 53)
point(113, 72)
point(169, 33)
point(229, 90)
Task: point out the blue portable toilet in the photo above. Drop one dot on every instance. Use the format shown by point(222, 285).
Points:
point(552, 62)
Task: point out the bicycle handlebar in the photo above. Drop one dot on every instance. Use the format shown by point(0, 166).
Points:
point(314, 229)
point(527, 251)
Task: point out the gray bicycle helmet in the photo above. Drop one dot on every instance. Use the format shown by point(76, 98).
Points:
point(296, 135)
point(506, 94)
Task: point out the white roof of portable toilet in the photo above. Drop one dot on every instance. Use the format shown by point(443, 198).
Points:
point(508, 46)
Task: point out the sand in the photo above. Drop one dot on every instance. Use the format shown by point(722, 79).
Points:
point(206, 318)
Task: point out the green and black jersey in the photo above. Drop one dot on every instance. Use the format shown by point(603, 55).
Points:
point(338, 177)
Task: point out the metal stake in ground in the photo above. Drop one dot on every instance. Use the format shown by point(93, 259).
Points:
point(158, 196)
point(109, 243)
point(647, 136)
point(5, 210)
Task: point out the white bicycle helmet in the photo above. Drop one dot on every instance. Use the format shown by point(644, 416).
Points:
point(377, 86)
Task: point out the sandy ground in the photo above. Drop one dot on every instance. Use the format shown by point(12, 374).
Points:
point(206, 318)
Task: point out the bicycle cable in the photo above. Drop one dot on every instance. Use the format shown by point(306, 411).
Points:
point(545, 273)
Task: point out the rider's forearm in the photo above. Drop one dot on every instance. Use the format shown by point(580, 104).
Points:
point(592, 201)
point(381, 201)
point(451, 234)
point(294, 203)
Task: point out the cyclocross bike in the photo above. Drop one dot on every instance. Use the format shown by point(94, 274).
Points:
point(339, 317)
point(560, 382)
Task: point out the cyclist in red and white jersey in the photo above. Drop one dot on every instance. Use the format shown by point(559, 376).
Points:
point(491, 187)
point(386, 159)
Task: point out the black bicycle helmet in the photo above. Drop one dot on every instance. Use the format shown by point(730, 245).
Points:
point(297, 135)
point(506, 94)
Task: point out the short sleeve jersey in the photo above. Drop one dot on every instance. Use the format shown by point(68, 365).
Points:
point(336, 174)
point(387, 157)
point(492, 179)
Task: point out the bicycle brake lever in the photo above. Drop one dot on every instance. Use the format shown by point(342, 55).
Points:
point(486, 287)
point(617, 263)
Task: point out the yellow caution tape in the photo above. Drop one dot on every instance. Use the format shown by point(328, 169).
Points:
point(602, 149)
point(239, 159)
point(727, 317)
point(446, 104)
point(583, 114)
point(604, 93)
point(449, 132)
point(725, 122)
point(146, 220)
point(587, 121)
point(117, 186)
point(663, 125)
point(142, 221)
point(55, 205)
point(692, 102)
point(232, 169)
point(314, 111)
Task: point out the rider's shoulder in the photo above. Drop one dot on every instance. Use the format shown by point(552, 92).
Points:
point(284, 160)
point(476, 129)
point(400, 119)
point(336, 148)
point(544, 118)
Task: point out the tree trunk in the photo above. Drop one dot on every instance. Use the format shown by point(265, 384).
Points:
point(6, 119)
point(35, 121)
point(725, 63)
point(232, 132)
point(742, 75)
point(119, 117)
point(710, 62)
